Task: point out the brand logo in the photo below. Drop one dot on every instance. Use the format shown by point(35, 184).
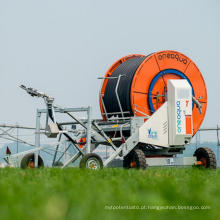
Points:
point(152, 134)
point(178, 117)
point(172, 56)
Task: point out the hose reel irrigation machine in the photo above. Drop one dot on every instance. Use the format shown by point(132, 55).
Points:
point(151, 108)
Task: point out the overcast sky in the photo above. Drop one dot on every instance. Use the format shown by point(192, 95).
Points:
point(61, 47)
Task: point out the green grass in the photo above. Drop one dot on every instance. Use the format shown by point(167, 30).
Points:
point(84, 194)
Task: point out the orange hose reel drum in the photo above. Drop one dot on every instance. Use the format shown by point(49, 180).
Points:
point(149, 84)
point(109, 73)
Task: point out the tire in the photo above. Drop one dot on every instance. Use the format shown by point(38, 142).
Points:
point(135, 159)
point(91, 161)
point(206, 156)
point(28, 161)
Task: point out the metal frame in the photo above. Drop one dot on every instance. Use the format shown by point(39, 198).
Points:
point(97, 132)
point(122, 113)
point(68, 111)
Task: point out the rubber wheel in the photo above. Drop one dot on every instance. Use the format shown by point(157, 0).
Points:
point(28, 161)
point(91, 161)
point(206, 156)
point(135, 159)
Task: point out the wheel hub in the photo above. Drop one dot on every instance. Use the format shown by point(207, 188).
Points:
point(93, 163)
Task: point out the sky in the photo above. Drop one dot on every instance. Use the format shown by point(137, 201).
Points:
point(62, 47)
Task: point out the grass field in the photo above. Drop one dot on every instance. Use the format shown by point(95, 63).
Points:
point(85, 194)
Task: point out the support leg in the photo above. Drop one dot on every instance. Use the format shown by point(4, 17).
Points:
point(37, 138)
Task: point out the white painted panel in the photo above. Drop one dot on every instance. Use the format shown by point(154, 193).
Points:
point(155, 129)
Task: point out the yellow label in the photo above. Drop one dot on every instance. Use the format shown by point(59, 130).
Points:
point(114, 126)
